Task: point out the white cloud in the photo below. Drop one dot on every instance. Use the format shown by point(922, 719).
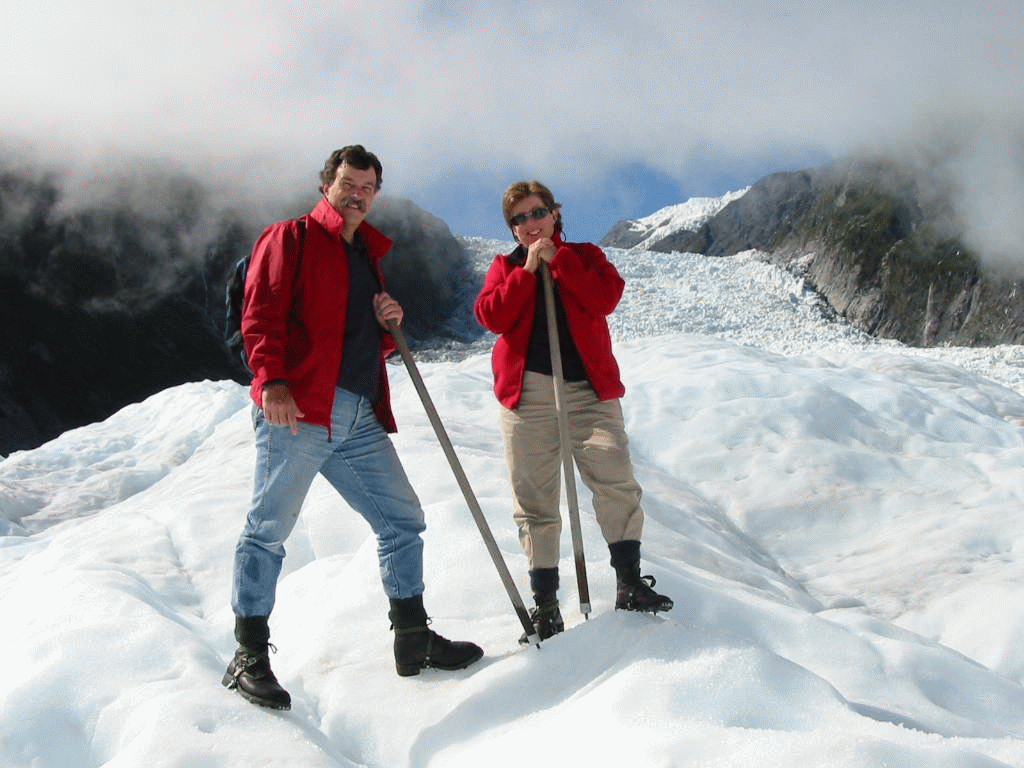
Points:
point(563, 90)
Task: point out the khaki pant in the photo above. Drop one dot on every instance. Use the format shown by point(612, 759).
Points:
point(600, 448)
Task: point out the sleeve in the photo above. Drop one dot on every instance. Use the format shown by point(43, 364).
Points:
point(507, 296)
point(269, 288)
point(584, 274)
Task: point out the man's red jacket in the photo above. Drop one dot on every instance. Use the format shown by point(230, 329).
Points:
point(293, 316)
point(590, 288)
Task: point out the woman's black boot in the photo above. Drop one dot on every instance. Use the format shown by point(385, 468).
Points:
point(634, 592)
point(546, 616)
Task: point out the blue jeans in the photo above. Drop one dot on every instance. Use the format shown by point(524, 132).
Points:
point(359, 460)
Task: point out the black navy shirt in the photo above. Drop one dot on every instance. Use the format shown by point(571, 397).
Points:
point(360, 357)
point(538, 354)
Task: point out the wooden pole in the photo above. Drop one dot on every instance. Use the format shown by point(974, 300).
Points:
point(564, 438)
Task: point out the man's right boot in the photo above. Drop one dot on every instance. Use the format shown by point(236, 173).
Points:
point(249, 672)
point(546, 616)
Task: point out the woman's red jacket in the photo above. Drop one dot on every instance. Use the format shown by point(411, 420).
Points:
point(590, 288)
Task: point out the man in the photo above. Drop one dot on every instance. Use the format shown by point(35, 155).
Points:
point(313, 322)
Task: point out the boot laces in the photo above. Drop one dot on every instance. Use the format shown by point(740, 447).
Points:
point(247, 659)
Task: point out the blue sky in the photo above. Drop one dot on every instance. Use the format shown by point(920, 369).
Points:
point(619, 108)
point(471, 205)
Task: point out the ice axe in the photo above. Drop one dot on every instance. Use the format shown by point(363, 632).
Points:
point(564, 438)
point(467, 491)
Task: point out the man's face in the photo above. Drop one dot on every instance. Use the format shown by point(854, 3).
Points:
point(352, 193)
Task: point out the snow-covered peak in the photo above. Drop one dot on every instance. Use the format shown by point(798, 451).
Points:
point(683, 216)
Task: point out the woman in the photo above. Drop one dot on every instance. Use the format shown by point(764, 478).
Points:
point(511, 304)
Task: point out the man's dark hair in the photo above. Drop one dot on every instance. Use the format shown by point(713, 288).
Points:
point(354, 155)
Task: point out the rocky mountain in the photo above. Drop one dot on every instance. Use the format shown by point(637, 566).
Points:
point(111, 294)
point(110, 299)
point(877, 240)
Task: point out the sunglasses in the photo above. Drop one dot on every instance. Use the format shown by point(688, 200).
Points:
point(536, 214)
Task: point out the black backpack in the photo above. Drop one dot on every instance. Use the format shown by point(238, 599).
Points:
point(234, 296)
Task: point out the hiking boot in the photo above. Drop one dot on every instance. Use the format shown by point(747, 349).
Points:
point(419, 647)
point(546, 617)
point(634, 592)
point(249, 673)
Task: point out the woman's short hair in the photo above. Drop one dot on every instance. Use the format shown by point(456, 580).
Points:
point(520, 190)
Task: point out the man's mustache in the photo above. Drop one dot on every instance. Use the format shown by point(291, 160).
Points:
point(355, 202)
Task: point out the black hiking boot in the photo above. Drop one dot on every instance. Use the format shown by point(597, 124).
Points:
point(634, 592)
point(419, 647)
point(547, 619)
point(249, 673)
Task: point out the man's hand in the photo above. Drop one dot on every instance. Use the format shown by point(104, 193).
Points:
point(279, 407)
point(386, 308)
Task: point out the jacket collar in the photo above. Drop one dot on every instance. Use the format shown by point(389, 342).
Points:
point(324, 214)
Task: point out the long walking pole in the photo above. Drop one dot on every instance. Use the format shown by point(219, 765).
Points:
point(467, 491)
point(564, 438)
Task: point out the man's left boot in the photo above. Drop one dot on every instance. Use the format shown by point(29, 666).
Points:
point(419, 647)
point(634, 592)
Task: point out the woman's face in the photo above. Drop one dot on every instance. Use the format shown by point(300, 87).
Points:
point(532, 229)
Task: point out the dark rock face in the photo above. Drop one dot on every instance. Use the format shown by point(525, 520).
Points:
point(104, 304)
point(426, 271)
point(877, 242)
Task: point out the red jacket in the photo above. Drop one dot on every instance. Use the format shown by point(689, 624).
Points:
point(590, 288)
point(294, 327)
